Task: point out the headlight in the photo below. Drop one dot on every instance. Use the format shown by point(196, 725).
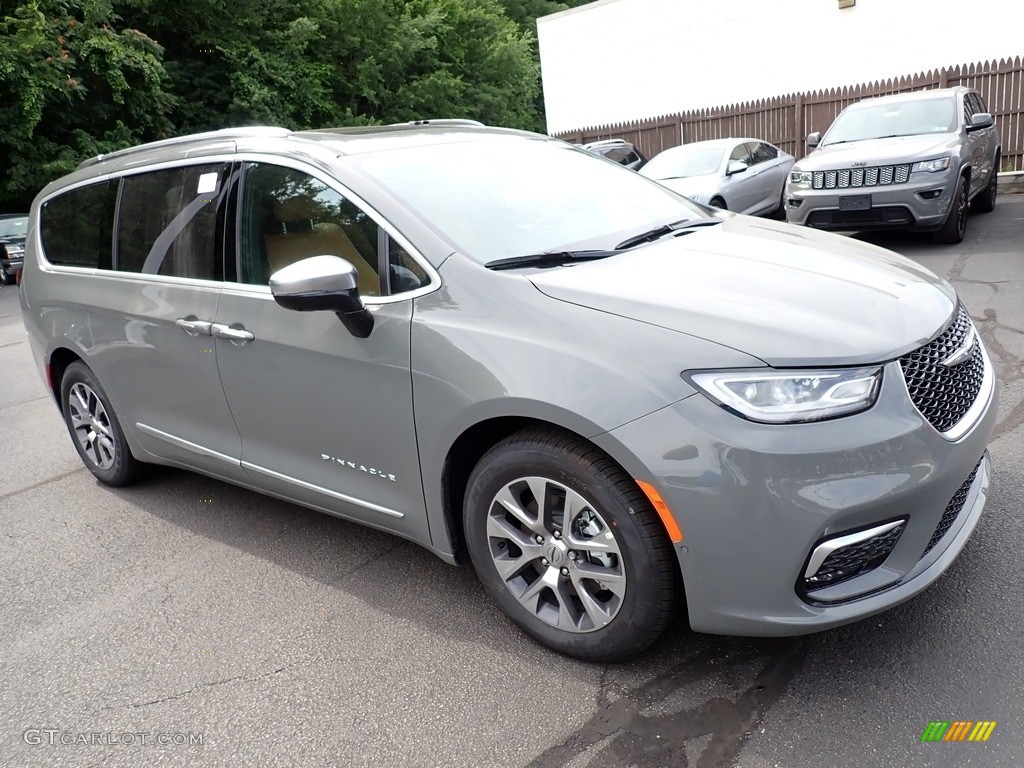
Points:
point(931, 166)
point(703, 199)
point(800, 178)
point(786, 397)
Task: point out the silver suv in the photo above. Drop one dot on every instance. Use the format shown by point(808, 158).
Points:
point(504, 349)
point(907, 161)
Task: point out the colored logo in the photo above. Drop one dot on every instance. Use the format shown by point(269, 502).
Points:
point(958, 730)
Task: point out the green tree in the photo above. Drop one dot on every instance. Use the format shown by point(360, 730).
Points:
point(73, 83)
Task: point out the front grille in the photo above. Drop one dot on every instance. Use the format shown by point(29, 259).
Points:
point(944, 394)
point(952, 511)
point(854, 178)
point(850, 562)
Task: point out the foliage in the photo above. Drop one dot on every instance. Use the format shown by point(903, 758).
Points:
point(83, 77)
point(72, 86)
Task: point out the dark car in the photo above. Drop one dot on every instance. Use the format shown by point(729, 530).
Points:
point(619, 151)
point(13, 229)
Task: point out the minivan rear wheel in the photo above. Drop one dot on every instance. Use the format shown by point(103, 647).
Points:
point(568, 546)
point(94, 428)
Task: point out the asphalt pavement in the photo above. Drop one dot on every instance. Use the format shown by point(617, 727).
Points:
point(183, 621)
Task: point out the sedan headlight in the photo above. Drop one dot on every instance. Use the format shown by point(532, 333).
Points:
point(786, 397)
point(931, 166)
point(798, 178)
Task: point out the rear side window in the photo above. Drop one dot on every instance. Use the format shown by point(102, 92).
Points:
point(168, 222)
point(77, 227)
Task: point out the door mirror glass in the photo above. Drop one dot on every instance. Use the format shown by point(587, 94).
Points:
point(323, 283)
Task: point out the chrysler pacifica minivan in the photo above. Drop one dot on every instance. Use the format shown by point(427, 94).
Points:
point(616, 404)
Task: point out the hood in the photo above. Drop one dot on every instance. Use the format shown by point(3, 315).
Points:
point(704, 186)
point(901, 149)
point(788, 295)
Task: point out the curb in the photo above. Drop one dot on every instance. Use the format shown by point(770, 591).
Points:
point(1011, 183)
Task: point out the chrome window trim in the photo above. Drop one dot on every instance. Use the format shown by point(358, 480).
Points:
point(135, 277)
point(319, 489)
point(826, 548)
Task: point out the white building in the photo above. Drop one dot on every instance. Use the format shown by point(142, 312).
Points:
point(620, 60)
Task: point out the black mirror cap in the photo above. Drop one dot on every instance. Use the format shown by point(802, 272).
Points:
point(981, 120)
point(814, 139)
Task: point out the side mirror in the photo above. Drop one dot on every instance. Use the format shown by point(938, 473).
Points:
point(323, 283)
point(734, 167)
point(814, 139)
point(981, 120)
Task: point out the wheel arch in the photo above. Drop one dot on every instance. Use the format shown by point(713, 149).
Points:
point(59, 360)
point(467, 450)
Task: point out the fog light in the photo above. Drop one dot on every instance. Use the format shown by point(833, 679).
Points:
point(931, 194)
point(794, 202)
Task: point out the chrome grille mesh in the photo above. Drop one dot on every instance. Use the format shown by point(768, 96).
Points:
point(944, 394)
point(852, 178)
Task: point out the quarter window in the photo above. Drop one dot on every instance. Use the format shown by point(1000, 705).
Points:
point(77, 227)
point(168, 222)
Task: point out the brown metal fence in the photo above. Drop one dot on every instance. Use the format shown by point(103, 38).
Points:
point(786, 120)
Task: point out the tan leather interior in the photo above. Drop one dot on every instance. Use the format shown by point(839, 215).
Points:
point(303, 235)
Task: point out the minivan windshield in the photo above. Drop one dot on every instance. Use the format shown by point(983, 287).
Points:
point(873, 120)
point(503, 197)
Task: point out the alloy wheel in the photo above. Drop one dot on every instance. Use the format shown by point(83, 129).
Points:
point(91, 426)
point(556, 554)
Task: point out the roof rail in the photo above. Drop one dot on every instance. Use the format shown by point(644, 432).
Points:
point(223, 133)
point(445, 121)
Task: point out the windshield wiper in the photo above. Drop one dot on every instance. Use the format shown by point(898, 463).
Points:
point(548, 259)
point(665, 229)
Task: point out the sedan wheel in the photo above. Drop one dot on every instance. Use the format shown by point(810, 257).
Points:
point(568, 546)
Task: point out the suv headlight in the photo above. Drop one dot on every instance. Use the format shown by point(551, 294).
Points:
point(799, 178)
point(787, 397)
point(931, 166)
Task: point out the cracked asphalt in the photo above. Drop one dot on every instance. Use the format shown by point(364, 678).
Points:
point(183, 608)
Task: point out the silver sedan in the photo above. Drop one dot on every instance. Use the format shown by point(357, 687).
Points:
point(742, 175)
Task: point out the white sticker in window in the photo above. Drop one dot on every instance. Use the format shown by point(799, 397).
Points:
point(207, 183)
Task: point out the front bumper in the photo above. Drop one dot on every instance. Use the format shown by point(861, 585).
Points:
point(12, 266)
point(754, 501)
point(921, 204)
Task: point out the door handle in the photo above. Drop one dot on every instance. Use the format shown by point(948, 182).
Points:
point(193, 326)
point(237, 336)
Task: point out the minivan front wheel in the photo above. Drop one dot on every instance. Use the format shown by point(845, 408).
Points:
point(955, 226)
point(94, 428)
point(568, 547)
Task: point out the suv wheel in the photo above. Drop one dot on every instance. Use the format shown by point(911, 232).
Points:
point(955, 226)
point(568, 547)
point(6, 278)
point(94, 428)
point(986, 201)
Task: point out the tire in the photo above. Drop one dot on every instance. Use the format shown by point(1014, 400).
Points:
point(94, 428)
point(6, 278)
point(986, 201)
point(594, 599)
point(717, 202)
point(955, 226)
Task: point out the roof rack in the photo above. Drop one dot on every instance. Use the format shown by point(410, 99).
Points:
point(244, 132)
point(445, 121)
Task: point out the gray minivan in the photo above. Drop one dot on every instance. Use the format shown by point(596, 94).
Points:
point(618, 405)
